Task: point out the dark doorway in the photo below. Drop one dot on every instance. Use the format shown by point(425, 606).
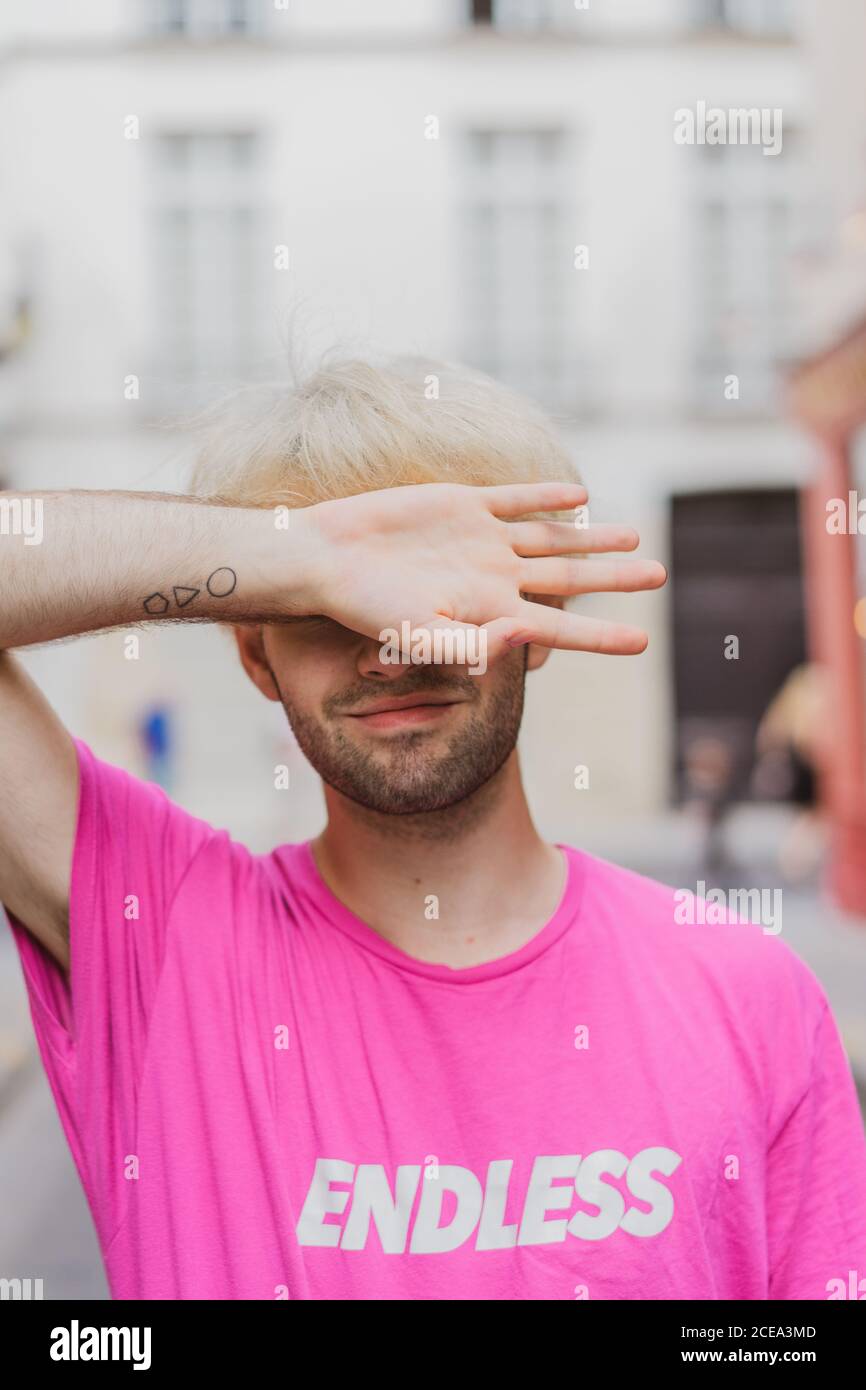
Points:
point(736, 571)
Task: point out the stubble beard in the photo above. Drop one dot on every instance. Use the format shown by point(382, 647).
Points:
point(411, 774)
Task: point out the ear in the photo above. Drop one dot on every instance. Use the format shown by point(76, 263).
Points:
point(254, 659)
point(537, 655)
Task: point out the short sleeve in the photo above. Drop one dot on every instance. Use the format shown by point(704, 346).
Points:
point(133, 847)
point(816, 1181)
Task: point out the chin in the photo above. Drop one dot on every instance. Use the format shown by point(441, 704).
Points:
point(395, 800)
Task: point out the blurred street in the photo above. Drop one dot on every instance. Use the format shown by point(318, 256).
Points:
point(45, 1226)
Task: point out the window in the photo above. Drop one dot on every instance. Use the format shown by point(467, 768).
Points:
point(726, 547)
point(760, 18)
point(520, 284)
point(749, 224)
point(205, 19)
point(212, 255)
point(526, 16)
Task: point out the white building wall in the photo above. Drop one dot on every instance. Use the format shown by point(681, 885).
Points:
point(369, 209)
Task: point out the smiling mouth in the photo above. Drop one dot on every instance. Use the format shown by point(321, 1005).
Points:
point(410, 711)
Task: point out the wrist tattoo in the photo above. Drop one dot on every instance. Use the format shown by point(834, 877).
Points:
point(222, 583)
point(219, 585)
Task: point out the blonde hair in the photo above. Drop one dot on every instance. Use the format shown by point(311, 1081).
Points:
point(354, 427)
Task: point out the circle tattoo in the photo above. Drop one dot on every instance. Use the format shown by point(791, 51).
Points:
point(222, 583)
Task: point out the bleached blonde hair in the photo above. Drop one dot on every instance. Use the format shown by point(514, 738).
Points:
point(354, 427)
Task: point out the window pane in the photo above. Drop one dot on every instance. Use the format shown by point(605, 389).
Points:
point(211, 255)
point(519, 283)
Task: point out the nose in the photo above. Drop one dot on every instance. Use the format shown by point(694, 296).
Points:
point(380, 660)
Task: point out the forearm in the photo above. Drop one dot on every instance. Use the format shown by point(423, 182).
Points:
point(109, 559)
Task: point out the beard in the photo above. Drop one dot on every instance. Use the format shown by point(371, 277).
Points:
point(413, 773)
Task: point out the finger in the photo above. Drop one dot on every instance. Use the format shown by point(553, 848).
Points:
point(570, 632)
point(519, 499)
point(567, 577)
point(442, 641)
point(561, 538)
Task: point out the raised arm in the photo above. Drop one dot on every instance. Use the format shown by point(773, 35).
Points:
point(431, 554)
point(108, 560)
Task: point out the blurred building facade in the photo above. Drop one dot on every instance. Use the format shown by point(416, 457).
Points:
point(192, 187)
point(828, 396)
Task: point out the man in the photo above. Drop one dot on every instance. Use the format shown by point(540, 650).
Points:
point(425, 1054)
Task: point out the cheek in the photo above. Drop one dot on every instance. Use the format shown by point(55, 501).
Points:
point(508, 669)
point(497, 686)
point(308, 668)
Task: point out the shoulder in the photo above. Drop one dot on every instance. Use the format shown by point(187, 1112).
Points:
point(726, 947)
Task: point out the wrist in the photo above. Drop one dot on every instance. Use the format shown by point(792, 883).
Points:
point(286, 561)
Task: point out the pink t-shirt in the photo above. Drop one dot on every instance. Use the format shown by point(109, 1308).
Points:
point(265, 1099)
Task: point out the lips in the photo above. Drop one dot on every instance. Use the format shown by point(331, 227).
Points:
point(401, 702)
point(404, 711)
